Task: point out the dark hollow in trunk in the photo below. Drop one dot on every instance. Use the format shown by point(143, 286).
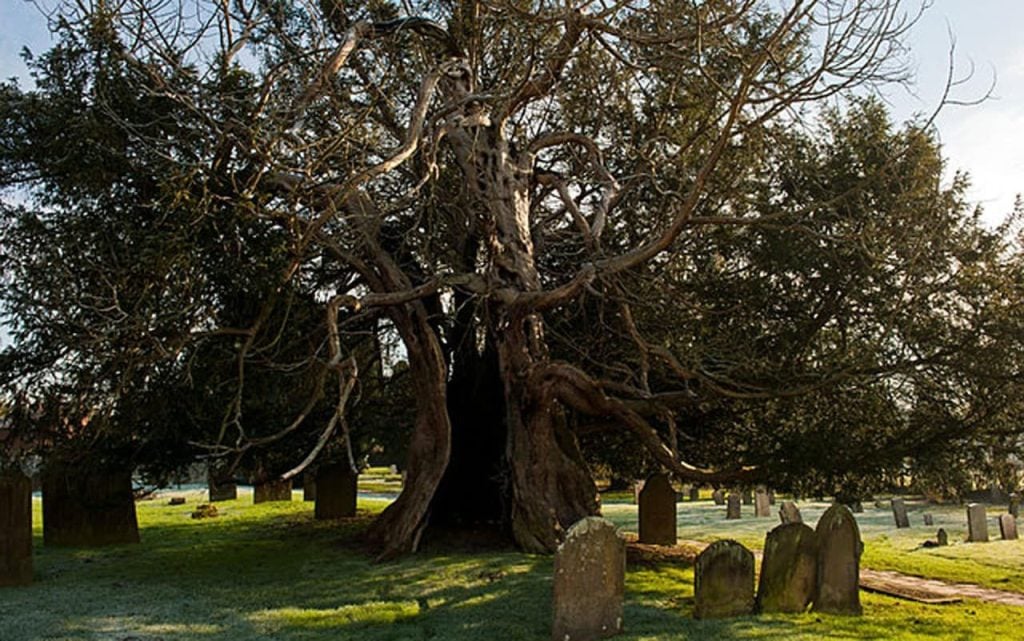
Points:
point(473, 497)
point(271, 491)
point(86, 508)
point(15, 529)
point(336, 488)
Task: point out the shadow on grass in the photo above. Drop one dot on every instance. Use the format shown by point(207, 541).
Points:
point(273, 572)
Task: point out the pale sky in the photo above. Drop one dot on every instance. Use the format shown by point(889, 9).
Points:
point(986, 140)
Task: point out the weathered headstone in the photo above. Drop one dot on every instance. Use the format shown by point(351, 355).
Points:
point(771, 497)
point(789, 570)
point(695, 493)
point(748, 497)
point(733, 507)
point(839, 549)
point(590, 575)
point(723, 581)
point(942, 538)
point(308, 486)
point(928, 519)
point(15, 529)
point(899, 513)
point(88, 507)
point(790, 513)
point(270, 491)
point(658, 511)
point(221, 489)
point(718, 496)
point(336, 491)
point(762, 507)
point(1014, 506)
point(977, 523)
point(1008, 527)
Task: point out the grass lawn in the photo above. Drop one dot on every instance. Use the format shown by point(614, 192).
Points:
point(271, 572)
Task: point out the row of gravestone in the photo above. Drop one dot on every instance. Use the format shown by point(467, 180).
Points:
point(977, 521)
point(99, 509)
point(801, 567)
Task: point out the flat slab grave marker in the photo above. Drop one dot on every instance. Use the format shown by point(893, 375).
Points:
point(15, 529)
point(839, 549)
point(589, 583)
point(762, 505)
point(733, 507)
point(1008, 527)
point(658, 511)
point(723, 581)
point(977, 523)
point(899, 513)
point(789, 569)
point(790, 513)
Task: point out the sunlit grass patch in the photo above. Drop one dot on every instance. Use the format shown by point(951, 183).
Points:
point(370, 612)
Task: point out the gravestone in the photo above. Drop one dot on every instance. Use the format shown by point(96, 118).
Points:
point(723, 581)
point(942, 538)
point(1014, 506)
point(221, 489)
point(732, 509)
point(928, 519)
point(789, 570)
point(658, 511)
point(695, 493)
point(1008, 527)
point(790, 513)
point(762, 507)
point(771, 497)
point(857, 507)
point(88, 507)
point(899, 513)
point(718, 496)
point(337, 488)
point(748, 497)
point(589, 582)
point(271, 491)
point(839, 549)
point(309, 486)
point(977, 523)
point(176, 500)
point(15, 529)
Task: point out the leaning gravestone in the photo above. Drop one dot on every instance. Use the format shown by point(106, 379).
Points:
point(899, 513)
point(928, 519)
point(723, 581)
point(1008, 527)
point(733, 507)
point(658, 511)
point(336, 491)
point(88, 507)
point(762, 506)
point(839, 548)
point(15, 529)
point(1014, 507)
point(977, 523)
point(718, 496)
point(789, 570)
point(590, 576)
point(942, 538)
point(790, 513)
point(270, 491)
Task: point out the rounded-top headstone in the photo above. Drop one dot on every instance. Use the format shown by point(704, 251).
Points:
point(839, 549)
point(789, 569)
point(658, 511)
point(590, 575)
point(723, 581)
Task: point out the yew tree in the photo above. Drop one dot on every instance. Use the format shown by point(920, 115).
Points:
point(522, 210)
